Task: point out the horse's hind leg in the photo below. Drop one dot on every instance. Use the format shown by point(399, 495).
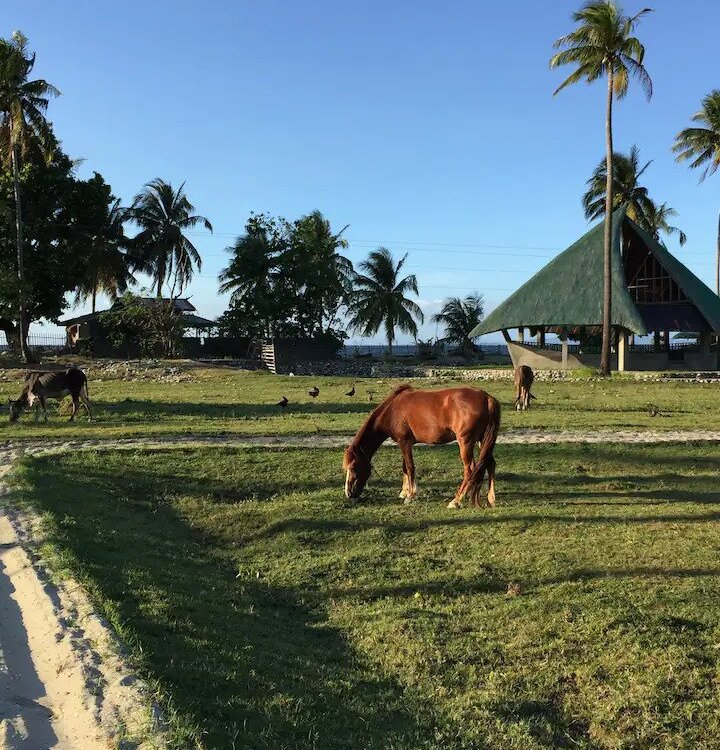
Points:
point(491, 479)
point(467, 454)
point(409, 489)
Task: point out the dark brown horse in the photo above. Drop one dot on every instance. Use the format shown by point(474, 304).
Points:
point(467, 415)
point(524, 378)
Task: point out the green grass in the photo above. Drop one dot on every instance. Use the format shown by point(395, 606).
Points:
point(274, 615)
point(223, 401)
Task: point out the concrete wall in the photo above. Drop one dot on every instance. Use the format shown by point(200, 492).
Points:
point(549, 359)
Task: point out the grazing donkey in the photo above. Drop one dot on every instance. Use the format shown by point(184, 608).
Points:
point(39, 386)
point(523, 382)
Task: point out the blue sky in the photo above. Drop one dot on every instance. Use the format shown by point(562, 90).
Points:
point(427, 127)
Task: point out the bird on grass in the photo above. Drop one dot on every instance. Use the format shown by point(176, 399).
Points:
point(314, 392)
point(351, 392)
point(283, 402)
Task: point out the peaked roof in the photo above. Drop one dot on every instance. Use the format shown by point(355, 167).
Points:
point(569, 289)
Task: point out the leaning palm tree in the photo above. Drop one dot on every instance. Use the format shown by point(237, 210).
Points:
point(460, 317)
point(657, 222)
point(626, 187)
point(161, 248)
point(23, 129)
point(701, 146)
point(379, 301)
point(108, 270)
point(603, 45)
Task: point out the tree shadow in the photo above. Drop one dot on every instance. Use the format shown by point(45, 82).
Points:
point(20, 687)
point(141, 409)
point(245, 660)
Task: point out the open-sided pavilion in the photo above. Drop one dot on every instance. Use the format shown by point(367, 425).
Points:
point(652, 292)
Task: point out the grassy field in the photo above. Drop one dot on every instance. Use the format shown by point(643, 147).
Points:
point(582, 612)
point(225, 401)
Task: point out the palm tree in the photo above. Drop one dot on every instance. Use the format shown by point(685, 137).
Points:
point(701, 144)
point(251, 275)
point(603, 45)
point(460, 316)
point(109, 268)
point(657, 222)
point(379, 300)
point(161, 248)
point(23, 128)
point(628, 191)
point(626, 187)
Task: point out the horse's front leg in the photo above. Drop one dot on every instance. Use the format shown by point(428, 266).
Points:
point(409, 486)
point(467, 454)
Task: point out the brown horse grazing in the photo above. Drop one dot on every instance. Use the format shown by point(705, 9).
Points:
point(467, 415)
point(524, 378)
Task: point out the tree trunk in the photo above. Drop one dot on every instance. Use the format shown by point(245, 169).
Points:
point(607, 254)
point(717, 262)
point(22, 332)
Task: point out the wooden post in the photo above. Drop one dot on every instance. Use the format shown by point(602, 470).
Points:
point(506, 335)
point(564, 339)
point(621, 349)
point(541, 337)
point(666, 336)
point(656, 341)
point(521, 335)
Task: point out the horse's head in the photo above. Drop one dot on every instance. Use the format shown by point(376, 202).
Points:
point(357, 471)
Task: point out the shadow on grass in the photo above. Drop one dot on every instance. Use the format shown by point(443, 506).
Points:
point(245, 661)
point(144, 408)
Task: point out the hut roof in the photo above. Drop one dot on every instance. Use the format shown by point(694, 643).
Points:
point(568, 291)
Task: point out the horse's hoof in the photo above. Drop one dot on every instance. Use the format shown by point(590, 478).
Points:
point(407, 501)
point(453, 505)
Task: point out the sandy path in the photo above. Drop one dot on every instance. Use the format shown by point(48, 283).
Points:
point(509, 437)
point(62, 685)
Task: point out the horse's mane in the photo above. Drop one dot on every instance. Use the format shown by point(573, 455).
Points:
point(377, 411)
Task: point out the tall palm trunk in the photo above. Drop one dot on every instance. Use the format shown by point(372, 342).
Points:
point(607, 254)
point(22, 328)
point(717, 262)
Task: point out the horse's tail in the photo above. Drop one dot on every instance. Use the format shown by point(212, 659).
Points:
point(487, 445)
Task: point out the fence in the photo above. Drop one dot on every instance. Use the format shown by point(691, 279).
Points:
point(48, 341)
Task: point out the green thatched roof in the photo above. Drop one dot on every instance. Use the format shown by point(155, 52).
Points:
point(568, 291)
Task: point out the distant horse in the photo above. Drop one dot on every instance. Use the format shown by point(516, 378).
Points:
point(524, 378)
point(467, 415)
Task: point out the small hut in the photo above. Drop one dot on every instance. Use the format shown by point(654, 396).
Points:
point(652, 292)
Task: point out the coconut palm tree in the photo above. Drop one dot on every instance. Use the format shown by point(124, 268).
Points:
point(109, 269)
point(251, 275)
point(379, 301)
point(23, 128)
point(701, 146)
point(657, 222)
point(626, 187)
point(628, 191)
point(603, 45)
point(460, 316)
point(161, 248)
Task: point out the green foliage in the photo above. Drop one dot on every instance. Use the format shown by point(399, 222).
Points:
point(581, 612)
point(109, 268)
point(23, 103)
point(603, 41)
point(628, 191)
point(700, 145)
point(57, 208)
point(287, 279)
point(460, 317)
point(378, 299)
point(156, 327)
point(161, 248)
